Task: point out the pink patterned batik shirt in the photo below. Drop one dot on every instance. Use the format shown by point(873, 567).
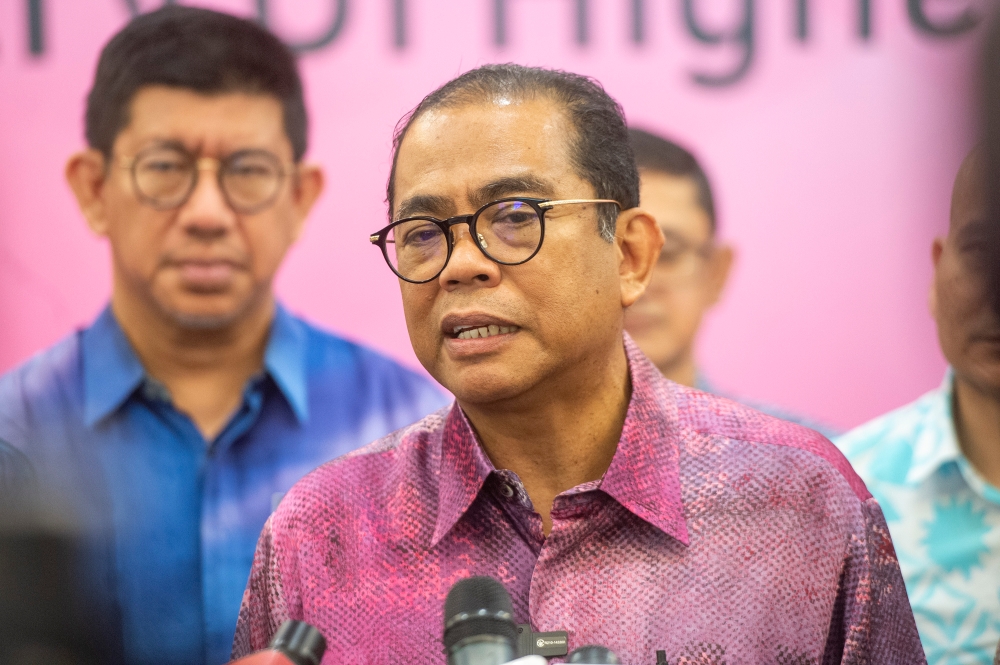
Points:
point(717, 535)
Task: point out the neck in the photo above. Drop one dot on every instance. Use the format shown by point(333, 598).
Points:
point(559, 435)
point(977, 421)
point(681, 368)
point(205, 370)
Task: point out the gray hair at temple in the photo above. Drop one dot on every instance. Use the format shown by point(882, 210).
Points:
point(600, 150)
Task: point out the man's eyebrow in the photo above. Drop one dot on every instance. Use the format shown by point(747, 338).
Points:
point(425, 204)
point(498, 189)
point(163, 142)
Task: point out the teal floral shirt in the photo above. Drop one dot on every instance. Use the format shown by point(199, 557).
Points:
point(944, 519)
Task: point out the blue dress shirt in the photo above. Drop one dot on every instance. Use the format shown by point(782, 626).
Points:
point(181, 515)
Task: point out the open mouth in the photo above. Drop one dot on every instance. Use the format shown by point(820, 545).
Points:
point(471, 332)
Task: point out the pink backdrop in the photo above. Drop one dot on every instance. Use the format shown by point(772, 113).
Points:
point(832, 159)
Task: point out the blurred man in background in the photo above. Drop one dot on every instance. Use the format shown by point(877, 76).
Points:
point(176, 421)
point(934, 465)
point(693, 266)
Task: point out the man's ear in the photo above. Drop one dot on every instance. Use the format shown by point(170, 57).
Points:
point(306, 188)
point(86, 174)
point(719, 265)
point(639, 240)
point(937, 248)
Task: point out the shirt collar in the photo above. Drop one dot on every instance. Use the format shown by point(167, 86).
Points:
point(285, 360)
point(643, 475)
point(463, 468)
point(112, 371)
point(936, 443)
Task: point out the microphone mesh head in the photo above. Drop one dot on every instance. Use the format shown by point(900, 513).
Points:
point(301, 642)
point(593, 653)
point(478, 606)
point(475, 593)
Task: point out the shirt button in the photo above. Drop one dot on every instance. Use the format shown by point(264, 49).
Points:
point(507, 490)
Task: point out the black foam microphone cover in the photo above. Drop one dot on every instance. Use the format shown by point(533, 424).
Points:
point(301, 642)
point(593, 654)
point(478, 606)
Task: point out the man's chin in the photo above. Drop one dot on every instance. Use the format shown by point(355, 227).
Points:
point(983, 374)
point(205, 316)
point(482, 388)
point(204, 321)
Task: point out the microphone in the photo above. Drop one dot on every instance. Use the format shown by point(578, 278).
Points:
point(479, 626)
point(593, 654)
point(295, 643)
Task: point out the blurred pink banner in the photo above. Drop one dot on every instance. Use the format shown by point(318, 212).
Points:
point(832, 132)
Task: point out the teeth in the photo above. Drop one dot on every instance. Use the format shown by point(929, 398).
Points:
point(464, 332)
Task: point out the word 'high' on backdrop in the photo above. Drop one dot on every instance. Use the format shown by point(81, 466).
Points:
point(927, 17)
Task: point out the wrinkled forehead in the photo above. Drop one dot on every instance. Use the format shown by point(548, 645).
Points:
point(200, 122)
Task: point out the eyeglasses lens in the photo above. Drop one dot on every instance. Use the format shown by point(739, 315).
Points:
point(417, 249)
point(251, 180)
point(164, 176)
point(678, 261)
point(509, 231)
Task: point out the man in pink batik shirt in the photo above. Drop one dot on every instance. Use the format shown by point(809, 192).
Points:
point(613, 504)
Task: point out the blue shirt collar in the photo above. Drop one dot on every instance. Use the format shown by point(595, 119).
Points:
point(112, 371)
point(936, 443)
point(285, 361)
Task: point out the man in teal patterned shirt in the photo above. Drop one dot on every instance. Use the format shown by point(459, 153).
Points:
point(934, 465)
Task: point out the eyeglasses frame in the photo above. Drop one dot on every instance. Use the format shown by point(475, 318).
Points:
point(206, 164)
point(540, 206)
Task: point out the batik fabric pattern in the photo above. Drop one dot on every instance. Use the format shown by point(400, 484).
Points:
point(718, 535)
point(945, 521)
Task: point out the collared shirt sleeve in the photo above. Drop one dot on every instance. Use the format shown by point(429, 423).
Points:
point(264, 606)
point(872, 621)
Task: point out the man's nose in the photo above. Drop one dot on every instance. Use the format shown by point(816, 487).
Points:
point(207, 212)
point(468, 264)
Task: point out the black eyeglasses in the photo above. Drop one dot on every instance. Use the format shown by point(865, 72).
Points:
point(509, 231)
point(681, 259)
point(165, 175)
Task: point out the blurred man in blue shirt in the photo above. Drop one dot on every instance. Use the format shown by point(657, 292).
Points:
point(934, 465)
point(177, 420)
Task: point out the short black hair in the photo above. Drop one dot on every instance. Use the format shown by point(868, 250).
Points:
point(656, 153)
point(197, 49)
point(600, 150)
